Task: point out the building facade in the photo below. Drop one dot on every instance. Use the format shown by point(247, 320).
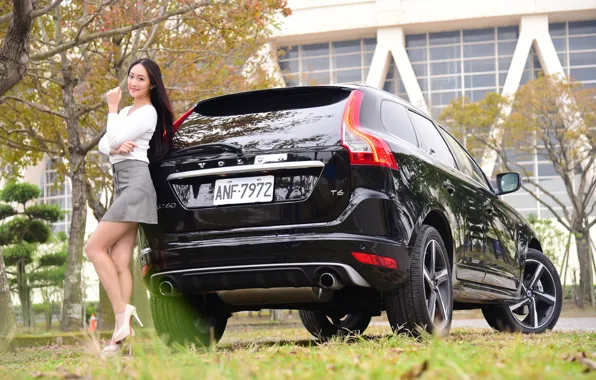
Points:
point(430, 52)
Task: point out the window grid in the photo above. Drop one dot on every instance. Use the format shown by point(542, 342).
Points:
point(335, 70)
point(59, 194)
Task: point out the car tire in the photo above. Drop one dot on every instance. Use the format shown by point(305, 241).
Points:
point(540, 306)
point(415, 305)
point(179, 322)
point(323, 327)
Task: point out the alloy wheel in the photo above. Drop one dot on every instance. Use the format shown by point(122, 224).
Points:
point(437, 291)
point(539, 296)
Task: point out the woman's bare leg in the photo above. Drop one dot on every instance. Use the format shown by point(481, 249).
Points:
point(104, 237)
point(120, 255)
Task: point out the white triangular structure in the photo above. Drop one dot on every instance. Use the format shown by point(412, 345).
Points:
point(533, 29)
point(392, 40)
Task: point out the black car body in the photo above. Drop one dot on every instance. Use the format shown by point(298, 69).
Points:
point(317, 198)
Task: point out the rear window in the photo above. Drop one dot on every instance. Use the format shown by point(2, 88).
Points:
point(270, 119)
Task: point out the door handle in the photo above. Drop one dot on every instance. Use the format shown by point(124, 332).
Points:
point(449, 187)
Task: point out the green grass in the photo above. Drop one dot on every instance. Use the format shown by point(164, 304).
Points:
point(291, 353)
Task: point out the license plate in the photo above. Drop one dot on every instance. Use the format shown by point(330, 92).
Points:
point(243, 190)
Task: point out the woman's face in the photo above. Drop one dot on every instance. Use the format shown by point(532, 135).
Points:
point(139, 86)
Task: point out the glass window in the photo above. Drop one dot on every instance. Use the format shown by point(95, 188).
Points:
point(419, 69)
point(314, 64)
point(506, 48)
point(508, 33)
point(582, 27)
point(417, 55)
point(560, 44)
point(585, 74)
point(477, 95)
point(556, 30)
point(479, 50)
point(369, 44)
point(445, 68)
point(346, 76)
point(395, 119)
point(479, 65)
point(415, 40)
point(445, 83)
point(444, 38)
point(444, 98)
point(315, 50)
point(288, 52)
point(317, 78)
point(582, 43)
point(583, 59)
point(484, 80)
point(464, 161)
point(345, 61)
point(291, 66)
point(479, 35)
point(433, 142)
point(341, 47)
point(445, 52)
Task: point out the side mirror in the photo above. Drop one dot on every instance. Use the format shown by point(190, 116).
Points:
point(508, 183)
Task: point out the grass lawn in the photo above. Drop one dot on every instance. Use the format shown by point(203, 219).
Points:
point(273, 353)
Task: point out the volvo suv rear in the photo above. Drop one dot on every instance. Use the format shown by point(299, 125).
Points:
point(338, 201)
point(274, 199)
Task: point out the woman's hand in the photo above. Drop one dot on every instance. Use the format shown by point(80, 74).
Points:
point(126, 148)
point(113, 98)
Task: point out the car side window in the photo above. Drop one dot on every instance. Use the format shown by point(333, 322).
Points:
point(464, 161)
point(431, 139)
point(395, 118)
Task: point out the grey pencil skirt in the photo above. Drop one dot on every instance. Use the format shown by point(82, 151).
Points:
point(135, 199)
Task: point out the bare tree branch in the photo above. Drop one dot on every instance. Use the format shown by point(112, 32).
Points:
point(39, 107)
point(93, 142)
point(83, 39)
point(35, 13)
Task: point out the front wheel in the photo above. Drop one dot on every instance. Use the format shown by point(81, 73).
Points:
point(540, 304)
point(324, 326)
point(179, 321)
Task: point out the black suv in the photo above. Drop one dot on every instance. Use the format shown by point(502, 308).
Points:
point(342, 202)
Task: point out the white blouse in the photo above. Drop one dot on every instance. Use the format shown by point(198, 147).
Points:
point(138, 127)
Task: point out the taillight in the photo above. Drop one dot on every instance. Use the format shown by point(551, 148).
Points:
point(376, 260)
point(364, 148)
point(179, 122)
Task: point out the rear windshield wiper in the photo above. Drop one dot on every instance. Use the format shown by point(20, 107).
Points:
point(209, 147)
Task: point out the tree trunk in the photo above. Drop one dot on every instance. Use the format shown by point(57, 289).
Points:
point(72, 311)
point(14, 55)
point(72, 308)
point(107, 319)
point(7, 319)
point(24, 294)
point(49, 318)
point(276, 315)
point(582, 243)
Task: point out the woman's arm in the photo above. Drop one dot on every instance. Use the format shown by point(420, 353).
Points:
point(103, 146)
point(131, 128)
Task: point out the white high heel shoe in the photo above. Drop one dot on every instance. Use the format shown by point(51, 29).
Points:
point(122, 333)
point(125, 330)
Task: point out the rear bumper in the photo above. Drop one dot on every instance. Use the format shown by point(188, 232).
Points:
point(273, 261)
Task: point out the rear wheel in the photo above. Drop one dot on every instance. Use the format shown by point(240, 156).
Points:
point(425, 300)
point(179, 321)
point(539, 307)
point(324, 326)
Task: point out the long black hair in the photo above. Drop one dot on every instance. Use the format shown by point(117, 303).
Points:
point(161, 140)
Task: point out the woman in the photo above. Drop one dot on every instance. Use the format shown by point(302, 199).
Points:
point(135, 137)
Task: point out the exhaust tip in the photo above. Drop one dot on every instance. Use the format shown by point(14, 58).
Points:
point(330, 281)
point(166, 288)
